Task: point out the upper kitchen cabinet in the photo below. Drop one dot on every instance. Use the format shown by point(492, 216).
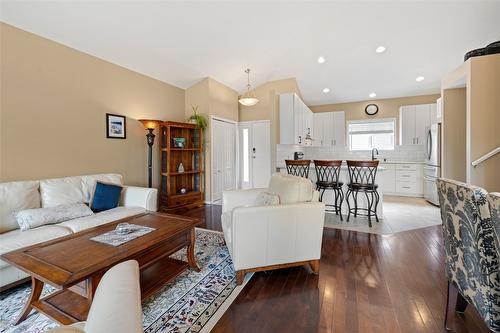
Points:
point(413, 122)
point(329, 129)
point(296, 120)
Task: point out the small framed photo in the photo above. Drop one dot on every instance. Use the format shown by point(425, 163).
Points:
point(116, 126)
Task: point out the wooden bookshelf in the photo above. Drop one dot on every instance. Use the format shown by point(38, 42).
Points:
point(191, 156)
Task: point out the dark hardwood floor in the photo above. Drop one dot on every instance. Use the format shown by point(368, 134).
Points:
point(367, 283)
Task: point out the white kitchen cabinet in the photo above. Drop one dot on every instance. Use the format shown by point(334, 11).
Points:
point(295, 119)
point(413, 122)
point(339, 129)
point(319, 120)
point(387, 180)
point(402, 179)
point(407, 125)
point(422, 121)
point(329, 129)
point(307, 121)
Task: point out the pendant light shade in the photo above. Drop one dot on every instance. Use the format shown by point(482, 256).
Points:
point(248, 99)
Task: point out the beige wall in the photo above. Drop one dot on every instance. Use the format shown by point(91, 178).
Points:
point(53, 105)
point(213, 99)
point(265, 93)
point(470, 125)
point(453, 134)
point(484, 118)
point(387, 108)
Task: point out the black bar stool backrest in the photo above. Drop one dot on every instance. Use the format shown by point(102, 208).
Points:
point(298, 168)
point(327, 171)
point(362, 172)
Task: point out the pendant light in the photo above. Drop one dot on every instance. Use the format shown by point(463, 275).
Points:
point(248, 99)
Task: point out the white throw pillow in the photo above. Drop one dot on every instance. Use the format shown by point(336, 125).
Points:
point(32, 218)
point(16, 196)
point(267, 199)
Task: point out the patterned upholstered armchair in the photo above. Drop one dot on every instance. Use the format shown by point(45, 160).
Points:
point(494, 200)
point(472, 249)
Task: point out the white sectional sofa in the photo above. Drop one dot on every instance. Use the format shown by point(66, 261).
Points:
point(21, 195)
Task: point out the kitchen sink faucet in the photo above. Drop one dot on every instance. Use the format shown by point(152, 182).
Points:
point(373, 153)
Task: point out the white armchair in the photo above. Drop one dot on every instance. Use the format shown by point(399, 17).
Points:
point(263, 237)
point(116, 306)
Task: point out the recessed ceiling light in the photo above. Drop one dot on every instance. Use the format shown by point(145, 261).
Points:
point(321, 60)
point(380, 49)
point(326, 90)
point(419, 78)
point(372, 95)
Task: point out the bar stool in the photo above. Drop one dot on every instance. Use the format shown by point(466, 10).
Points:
point(298, 168)
point(362, 179)
point(327, 174)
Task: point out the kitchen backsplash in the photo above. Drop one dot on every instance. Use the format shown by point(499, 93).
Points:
point(403, 153)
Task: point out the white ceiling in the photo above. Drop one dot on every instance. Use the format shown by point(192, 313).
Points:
point(183, 42)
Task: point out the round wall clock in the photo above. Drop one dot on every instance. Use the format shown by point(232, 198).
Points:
point(371, 109)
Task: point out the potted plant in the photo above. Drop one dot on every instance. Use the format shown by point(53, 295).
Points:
point(197, 119)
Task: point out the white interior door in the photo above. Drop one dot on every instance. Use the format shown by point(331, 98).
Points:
point(261, 141)
point(223, 157)
point(255, 148)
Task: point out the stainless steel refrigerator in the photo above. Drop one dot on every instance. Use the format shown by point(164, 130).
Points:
point(432, 168)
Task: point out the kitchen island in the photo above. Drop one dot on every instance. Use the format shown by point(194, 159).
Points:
point(329, 197)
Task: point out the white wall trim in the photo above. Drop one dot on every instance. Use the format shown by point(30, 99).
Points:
point(212, 117)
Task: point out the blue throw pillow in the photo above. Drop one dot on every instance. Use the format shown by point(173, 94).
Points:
point(106, 196)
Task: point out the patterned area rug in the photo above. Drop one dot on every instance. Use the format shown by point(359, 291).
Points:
point(192, 302)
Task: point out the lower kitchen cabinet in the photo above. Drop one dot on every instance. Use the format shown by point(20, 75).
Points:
point(402, 179)
point(387, 180)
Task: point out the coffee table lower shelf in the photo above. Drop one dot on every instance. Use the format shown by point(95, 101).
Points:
point(67, 307)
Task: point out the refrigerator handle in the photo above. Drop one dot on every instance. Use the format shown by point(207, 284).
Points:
point(429, 144)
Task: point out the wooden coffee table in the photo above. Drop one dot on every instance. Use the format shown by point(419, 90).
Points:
point(74, 264)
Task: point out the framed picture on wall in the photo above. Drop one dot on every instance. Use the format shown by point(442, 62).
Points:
point(116, 126)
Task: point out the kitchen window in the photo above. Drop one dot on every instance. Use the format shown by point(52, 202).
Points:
point(369, 134)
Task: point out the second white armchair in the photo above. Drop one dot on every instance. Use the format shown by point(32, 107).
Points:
point(280, 226)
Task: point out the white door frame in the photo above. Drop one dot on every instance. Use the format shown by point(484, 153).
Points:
point(235, 123)
point(239, 155)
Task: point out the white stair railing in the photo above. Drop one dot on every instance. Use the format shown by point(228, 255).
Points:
point(485, 157)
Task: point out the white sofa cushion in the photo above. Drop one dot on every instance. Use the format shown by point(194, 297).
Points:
point(60, 191)
point(291, 189)
point(88, 183)
point(101, 218)
point(15, 196)
point(17, 239)
point(32, 218)
point(69, 190)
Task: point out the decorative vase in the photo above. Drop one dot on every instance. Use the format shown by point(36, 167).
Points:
point(180, 169)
